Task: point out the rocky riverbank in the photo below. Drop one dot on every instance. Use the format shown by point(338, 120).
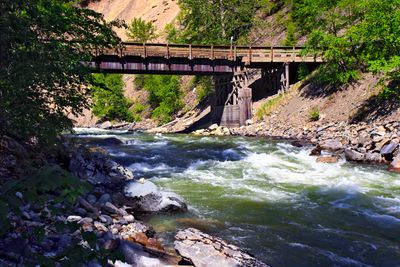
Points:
point(376, 143)
point(99, 227)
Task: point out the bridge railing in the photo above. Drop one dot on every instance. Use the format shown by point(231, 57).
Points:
point(243, 53)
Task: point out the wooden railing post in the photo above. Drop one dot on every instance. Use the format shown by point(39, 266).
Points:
point(144, 50)
point(212, 52)
point(167, 50)
point(272, 54)
point(190, 52)
point(235, 53)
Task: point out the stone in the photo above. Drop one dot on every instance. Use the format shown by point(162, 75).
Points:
point(162, 202)
point(104, 199)
point(213, 127)
point(85, 220)
point(249, 122)
point(74, 218)
point(111, 244)
point(106, 125)
point(129, 218)
point(331, 145)
point(316, 151)
point(389, 148)
point(202, 249)
point(352, 155)
point(107, 220)
point(395, 164)
point(112, 209)
point(327, 159)
point(100, 227)
point(91, 199)
point(374, 157)
point(137, 189)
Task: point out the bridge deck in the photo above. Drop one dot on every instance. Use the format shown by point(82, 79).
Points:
point(245, 54)
point(192, 59)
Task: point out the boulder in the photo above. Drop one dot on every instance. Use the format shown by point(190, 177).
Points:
point(374, 157)
point(213, 127)
point(328, 159)
point(352, 155)
point(389, 148)
point(150, 199)
point(106, 125)
point(395, 165)
point(202, 249)
point(316, 151)
point(331, 145)
point(97, 168)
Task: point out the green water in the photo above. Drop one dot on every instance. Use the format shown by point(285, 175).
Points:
point(270, 198)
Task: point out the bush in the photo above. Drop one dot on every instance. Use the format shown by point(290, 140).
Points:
point(165, 96)
point(141, 31)
point(313, 115)
point(204, 87)
point(109, 102)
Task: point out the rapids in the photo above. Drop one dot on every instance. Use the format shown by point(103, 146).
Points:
point(269, 197)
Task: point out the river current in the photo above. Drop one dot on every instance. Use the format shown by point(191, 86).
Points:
point(268, 197)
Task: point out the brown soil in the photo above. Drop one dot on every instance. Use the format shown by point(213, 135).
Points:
point(342, 104)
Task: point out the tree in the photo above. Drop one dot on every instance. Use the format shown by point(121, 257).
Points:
point(141, 31)
point(109, 102)
point(42, 46)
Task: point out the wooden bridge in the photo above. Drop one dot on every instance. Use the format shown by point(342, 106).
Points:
point(137, 58)
point(230, 65)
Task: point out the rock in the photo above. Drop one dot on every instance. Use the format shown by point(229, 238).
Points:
point(352, 155)
point(100, 227)
point(138, 189)
point(374, 157)
point(129, 218)
point(85, 220)
point(110, 208)
point(87, 205)
point(111, 244)
point(316, 151)
point(331, 145)
point(389, 148)
point(107, 220)
point(202, 249)
point(162, 202)
point(328, 159)
point(74, 218)
point(395, 165)
point(249, 122)
point(106, 125)
point(213, 127)
point(91, 199)
point(104, 198)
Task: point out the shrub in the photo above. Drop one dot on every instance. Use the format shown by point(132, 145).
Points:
point(141, 31)
point(109, 102)
point(313, 115)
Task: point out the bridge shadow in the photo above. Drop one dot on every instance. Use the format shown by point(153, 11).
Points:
point(202, 123)
point(260, 90)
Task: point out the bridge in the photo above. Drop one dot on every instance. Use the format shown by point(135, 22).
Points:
point(232, 66)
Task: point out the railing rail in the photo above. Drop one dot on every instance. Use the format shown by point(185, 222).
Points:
point(257, 54)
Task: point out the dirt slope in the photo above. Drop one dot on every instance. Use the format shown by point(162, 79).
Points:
point(160, 12)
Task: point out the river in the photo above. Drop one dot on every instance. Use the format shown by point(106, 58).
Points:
point(270, 198)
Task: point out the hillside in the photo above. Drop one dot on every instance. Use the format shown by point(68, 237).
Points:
point(159, 12)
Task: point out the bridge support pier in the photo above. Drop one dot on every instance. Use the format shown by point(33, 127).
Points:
point(232, 104)
point(276, 78)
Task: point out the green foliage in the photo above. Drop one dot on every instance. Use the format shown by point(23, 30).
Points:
point(268, 107)
point(42, 45)
point(137, 109)
point(352, 36)
point(314, 115)
point(214, 22)
point(303, 71)
point(49, 186)
point(291, 39)
point(165, 96)
point(109, 102)
point(141, 31)
point(204, 87)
